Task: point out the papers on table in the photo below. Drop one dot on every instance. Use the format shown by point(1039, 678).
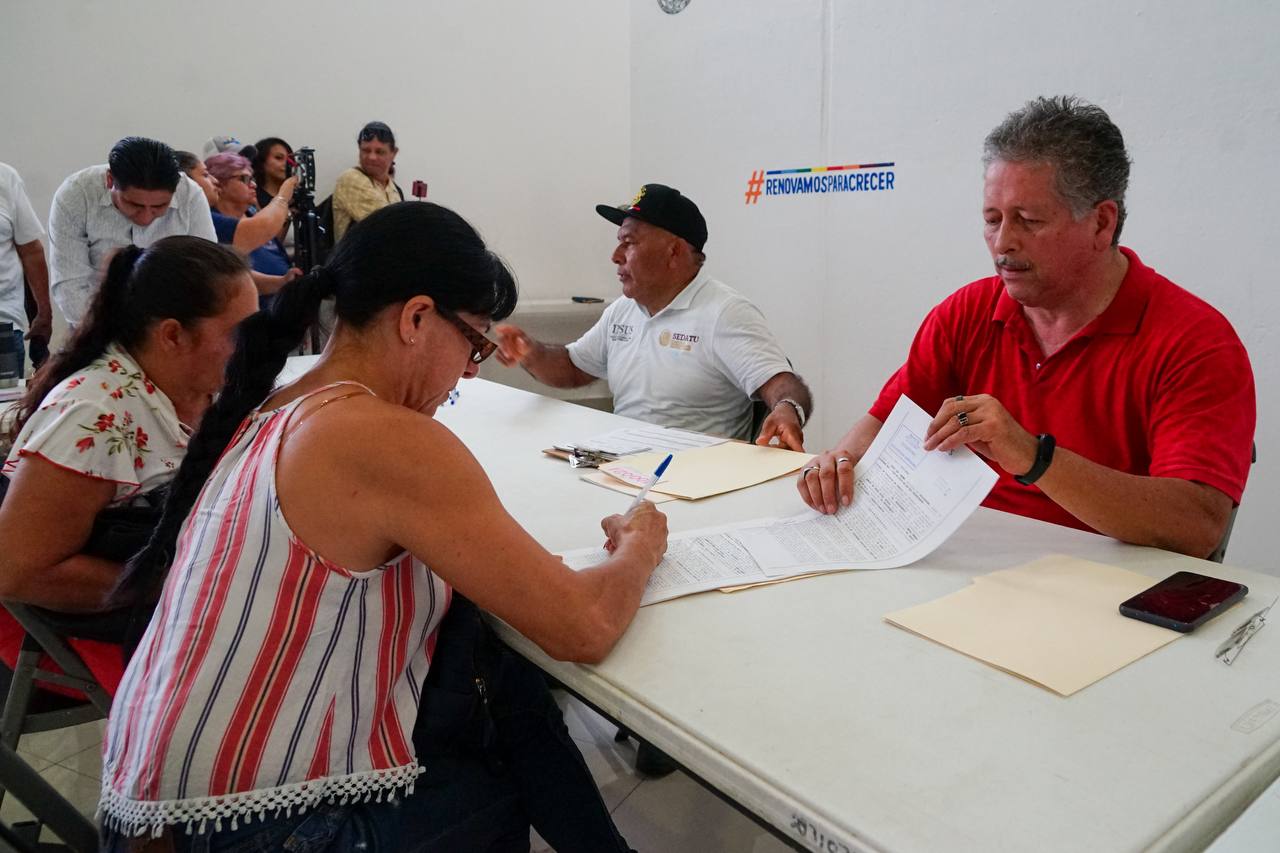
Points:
point(631, 440)
point(1054, 622)
point(705, 471)
point(907, 502)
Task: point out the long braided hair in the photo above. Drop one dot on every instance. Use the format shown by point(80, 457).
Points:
point(400, 251)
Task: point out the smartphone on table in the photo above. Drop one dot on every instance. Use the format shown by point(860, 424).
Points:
point(1184, 601)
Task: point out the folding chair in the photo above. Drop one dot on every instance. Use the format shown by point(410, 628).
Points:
point(28, 710)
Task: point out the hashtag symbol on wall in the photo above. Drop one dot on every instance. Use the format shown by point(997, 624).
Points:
point(753, 187)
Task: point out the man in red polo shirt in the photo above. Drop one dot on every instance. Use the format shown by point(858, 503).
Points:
point(1105, 396)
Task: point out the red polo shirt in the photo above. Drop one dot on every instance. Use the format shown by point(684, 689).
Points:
point(1158, 384)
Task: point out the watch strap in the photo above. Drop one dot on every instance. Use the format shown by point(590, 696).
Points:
point(1044, 455)
point(799, 408)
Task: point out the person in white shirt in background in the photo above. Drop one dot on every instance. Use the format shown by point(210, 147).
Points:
point(22, 255)
point(680, 349)
point(138, 197)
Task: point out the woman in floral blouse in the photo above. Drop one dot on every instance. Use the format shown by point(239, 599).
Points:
point(106, 422)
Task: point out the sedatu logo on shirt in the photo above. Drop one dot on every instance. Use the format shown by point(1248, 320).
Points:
point(621, 332)
point(677, 340)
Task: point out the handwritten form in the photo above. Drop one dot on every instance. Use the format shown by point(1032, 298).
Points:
point(906, 503)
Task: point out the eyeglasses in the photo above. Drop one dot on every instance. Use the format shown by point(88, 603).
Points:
point(481, 347)
point(247, 180)
point(1239, 638)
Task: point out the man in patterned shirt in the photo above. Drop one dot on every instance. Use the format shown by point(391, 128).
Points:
point(137, 198)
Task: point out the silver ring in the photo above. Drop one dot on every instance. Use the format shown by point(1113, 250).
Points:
point(805, 472)
point(963, 418)
point(840, 459)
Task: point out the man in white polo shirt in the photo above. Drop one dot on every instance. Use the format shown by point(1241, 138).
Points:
point(680, 348)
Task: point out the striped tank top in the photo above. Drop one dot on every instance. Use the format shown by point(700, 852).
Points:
point(269, 678)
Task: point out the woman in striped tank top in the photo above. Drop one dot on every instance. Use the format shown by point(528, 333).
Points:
point(308, 551)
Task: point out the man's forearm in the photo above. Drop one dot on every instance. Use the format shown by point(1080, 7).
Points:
point(37, 273)
point(787, 386)
point(550, 364)
point(73, 296)
point(1163, 512)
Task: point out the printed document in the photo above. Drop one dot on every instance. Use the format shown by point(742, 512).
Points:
point(906, 503)
point(631, 440)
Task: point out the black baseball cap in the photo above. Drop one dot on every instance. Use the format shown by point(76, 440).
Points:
point(664, 207)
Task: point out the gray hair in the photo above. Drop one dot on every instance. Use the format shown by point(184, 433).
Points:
point(1075, 137)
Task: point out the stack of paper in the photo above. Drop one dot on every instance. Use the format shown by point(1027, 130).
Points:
point(1055, 622)
point(629, 441)
point(906, 504)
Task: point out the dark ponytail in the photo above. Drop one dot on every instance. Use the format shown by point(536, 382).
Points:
point(180, 278)
point(400, 251)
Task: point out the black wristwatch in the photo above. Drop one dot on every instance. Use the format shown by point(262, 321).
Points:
point(1044, 455)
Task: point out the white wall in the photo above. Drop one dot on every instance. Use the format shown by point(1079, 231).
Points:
point(517, 114)
point(730, 86)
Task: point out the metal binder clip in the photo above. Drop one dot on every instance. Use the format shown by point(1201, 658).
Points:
point(1240, 637)
point(582, 457)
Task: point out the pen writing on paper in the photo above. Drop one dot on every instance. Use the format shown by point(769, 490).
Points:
point(657, 475)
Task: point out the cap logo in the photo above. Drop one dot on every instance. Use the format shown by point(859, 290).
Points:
point(635, 202)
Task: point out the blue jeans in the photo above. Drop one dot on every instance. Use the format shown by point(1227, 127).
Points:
point(367, 827)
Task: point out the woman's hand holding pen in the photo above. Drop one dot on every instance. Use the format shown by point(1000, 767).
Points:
point(642, 530)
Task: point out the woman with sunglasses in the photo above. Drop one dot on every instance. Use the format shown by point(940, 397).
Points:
point(308, 551)
point(256, 234)
point(371, 185)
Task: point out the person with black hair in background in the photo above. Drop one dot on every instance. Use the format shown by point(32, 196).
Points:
point(106, 423)
point(194, 168)
point(270, 167)
point(370, 186)
point(274, 692)
point(138, 197)
point(270, 164)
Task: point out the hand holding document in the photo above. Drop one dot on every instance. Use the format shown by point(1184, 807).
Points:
point(907, 503)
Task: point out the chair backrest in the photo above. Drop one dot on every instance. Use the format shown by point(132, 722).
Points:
point(1220, 553)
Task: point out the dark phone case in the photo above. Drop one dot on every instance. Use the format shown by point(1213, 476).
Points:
point(1179, 626)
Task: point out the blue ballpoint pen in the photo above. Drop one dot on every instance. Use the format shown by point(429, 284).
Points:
point(657, 475)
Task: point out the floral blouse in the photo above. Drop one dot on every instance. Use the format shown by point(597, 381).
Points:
point(110, 422)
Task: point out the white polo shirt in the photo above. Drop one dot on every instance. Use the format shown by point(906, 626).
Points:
point(693, 365)
point(18, 226)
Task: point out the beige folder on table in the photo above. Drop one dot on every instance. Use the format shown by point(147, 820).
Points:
point(598, 479)
point(1055, 622)
point(706, 471)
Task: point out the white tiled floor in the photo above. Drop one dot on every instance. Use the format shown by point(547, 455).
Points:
point(672, 815)
point(70, 760)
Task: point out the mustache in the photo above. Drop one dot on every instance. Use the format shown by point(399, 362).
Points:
point(1008, 263)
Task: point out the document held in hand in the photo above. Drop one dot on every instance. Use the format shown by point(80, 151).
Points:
point(906, 503)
